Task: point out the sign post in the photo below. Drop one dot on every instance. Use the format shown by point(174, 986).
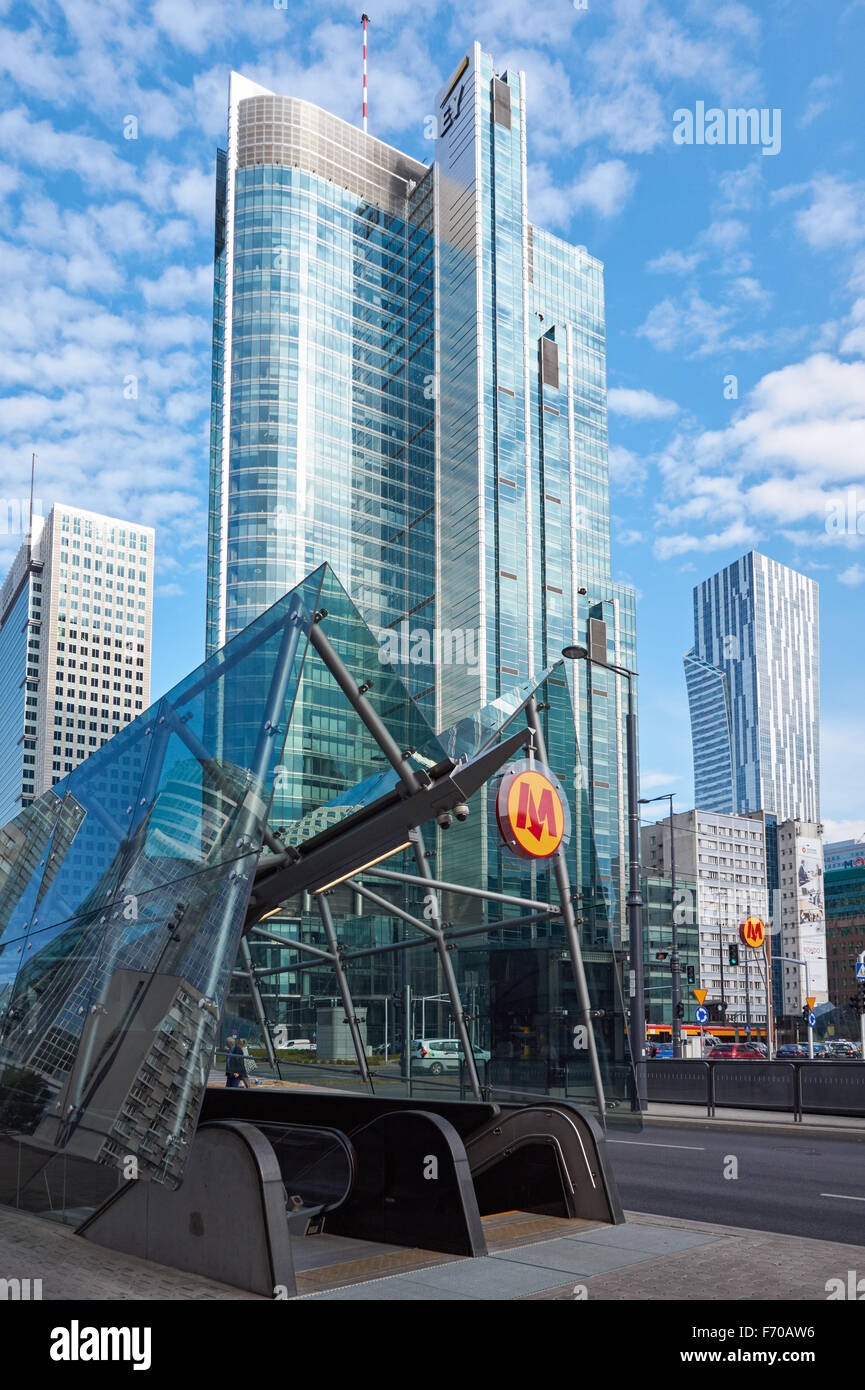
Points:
point(701, 1015)
point(752, 933)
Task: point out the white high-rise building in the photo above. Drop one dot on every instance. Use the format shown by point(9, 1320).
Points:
point(725, 856)
point(753, 679)
point(75, 642)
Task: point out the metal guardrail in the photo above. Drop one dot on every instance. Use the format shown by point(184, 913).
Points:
point(795, 1087)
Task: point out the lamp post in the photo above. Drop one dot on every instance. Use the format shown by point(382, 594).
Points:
point(637, 1022)
point(675, 966)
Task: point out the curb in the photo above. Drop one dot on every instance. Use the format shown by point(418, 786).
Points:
point(764, 1126)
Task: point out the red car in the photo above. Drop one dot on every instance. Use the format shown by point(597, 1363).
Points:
point(735, 1051)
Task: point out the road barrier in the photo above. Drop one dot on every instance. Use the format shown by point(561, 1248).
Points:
point(796, 1087)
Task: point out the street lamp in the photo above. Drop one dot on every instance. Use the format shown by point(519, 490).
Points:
point(675, 966)
point(574, 652)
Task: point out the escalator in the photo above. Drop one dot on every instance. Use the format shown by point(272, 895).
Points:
point(325, 1185)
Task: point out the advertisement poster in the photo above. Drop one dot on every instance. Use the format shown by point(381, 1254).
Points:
point(811, 911)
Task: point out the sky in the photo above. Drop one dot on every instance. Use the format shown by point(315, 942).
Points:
point(735, 281)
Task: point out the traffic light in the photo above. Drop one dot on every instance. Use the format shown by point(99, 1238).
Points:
point(680, 1010)
point(691, 975)
point(733, 953)
point(806, 1012)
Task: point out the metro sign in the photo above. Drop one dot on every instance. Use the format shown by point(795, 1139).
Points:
point(532, 811)
point(752, 933)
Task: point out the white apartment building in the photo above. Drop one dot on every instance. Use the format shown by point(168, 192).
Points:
point(725, 856)
point(75, 646)
point(800, 914)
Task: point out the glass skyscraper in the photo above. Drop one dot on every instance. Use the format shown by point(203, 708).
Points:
point(409, 382)
point(753, 681)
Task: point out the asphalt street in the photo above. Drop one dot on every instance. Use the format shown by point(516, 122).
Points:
point(793, 1184)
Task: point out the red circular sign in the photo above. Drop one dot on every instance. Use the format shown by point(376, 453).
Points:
point(531, 813)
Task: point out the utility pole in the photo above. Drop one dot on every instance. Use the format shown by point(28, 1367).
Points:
point(675, 961)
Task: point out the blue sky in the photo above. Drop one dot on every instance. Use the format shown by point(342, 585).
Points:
point(721, 262)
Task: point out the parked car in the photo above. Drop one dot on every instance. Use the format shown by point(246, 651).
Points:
point(659, 1052)
point(840, 1047)
point(437, 1055)
point(736, 1052)
point(788, 1050)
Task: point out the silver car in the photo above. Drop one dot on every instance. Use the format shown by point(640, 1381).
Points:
point(437, 1055)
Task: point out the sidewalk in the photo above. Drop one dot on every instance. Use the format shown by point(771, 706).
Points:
point(661, 1112)
point(650, 1258)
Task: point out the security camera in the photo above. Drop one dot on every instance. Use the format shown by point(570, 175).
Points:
point(582, 590)
point(445, 820)
point(462, 811)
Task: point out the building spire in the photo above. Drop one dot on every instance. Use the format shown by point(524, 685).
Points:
point(364, 19)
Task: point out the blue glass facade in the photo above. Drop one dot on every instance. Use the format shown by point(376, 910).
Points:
point(754, 691)
point(409, 382)
point(13, 695)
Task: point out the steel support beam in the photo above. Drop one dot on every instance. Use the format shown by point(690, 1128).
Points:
point(390, 908)
point(290, 943)
point(560, 869)
point(352, 692)
point(448, 972)
point(443, 887)
point(257, 1004)
point(345, 992)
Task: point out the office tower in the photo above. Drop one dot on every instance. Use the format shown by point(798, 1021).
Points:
point(725, 857)
point(322, 441)
point(75, 638)
point(409, 382)
point(844, 888)
point(754, 691)
point(844, 854)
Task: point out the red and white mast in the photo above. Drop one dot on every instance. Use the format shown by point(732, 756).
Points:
point(364, 19)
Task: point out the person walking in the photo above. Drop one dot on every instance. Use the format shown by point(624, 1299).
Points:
point(235, 1065)
point(248, 1064)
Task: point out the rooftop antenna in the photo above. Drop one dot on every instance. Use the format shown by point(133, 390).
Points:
point(32, 481)
point(364, 19)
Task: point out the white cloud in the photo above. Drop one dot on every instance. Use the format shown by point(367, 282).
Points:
point(178, 284)
point(639, 405)
point(853, 576)
point(836, 830)
point(836, 215)
point(627, 471)
point(737, 536)
point(791, 456)
point(37, 142)
point(819, 97)
point(650, 780)
point(601, 188)
point(675, 262)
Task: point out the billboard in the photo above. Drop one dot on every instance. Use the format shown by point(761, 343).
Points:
point(811, 910)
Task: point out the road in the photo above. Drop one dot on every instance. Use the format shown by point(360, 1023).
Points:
point(793, 1184)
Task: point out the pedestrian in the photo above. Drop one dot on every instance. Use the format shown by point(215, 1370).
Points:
point(248, 1064)
point(235, 1066)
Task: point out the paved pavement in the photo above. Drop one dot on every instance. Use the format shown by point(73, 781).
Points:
point(809, 1184)
point(728, 1115)
point(649, 1258)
